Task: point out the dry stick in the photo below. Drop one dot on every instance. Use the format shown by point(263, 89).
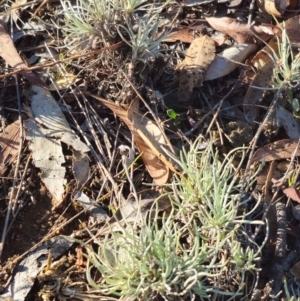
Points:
point(217, 106)
point(251, 11)
point(148, 107)
point(105, 173)
point(262, 125)
point(11, 200)
point(53, 232)
point(219, 109)
point(20, 186)
point(44, 2)
point(280, 250)
point(51, 64)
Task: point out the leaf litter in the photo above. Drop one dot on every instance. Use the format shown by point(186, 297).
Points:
point(89, 176)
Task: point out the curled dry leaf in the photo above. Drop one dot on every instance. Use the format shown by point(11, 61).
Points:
point(292, 26)
point(192, 71)
point(290, 192)
point(9, 143)
point(262, 79)
point(45, 130)
point(262, 61)
point(224, 63)
point(11, 56)
point(240, 32)
point(281, 149)
point(263, 56)
point(185, 35)
point(28, 269)
point(148, 139)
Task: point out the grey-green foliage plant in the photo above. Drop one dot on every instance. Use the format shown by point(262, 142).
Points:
point(105, 19)
point(90, 18)
point(145, 40)
point(187, 252)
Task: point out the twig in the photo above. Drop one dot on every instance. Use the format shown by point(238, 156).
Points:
point(216, 107)
point(280, 250)
point(263, 123)
point(158, 122)
point(105, 173)
point(50, 64)
point(20, 186)
point(251, 11)
point(11, 200)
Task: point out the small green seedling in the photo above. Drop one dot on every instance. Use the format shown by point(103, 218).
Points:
point(172, 114)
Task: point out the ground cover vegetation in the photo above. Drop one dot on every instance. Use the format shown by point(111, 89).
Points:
point(149, 150)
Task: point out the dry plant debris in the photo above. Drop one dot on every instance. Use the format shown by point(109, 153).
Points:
point(9, 143)
point(192, 71)
point(115, 160)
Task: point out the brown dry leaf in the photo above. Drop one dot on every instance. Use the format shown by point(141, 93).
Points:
point(263, 56)
point(240, 32)
point(148, 139)
point(292, 27)
point(11, 56)
point(9, 143)
point(151, 136)
point(79, 256)
point(185, 35)
point(263, 63)
point(290, 192)
point(193, 69)
point(281, 149)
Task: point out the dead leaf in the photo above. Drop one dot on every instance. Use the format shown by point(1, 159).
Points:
point(47, 112)
point(288, 121)
point(262, 61)
point(11, 56)
point(275, 7)
point(97, 213)
point(281, 149)
point(79, 256)
point(192, 71)
point(48, 156)
point(28, 269)
point(81, 168)
point(185, 35)
point(46, 129)
point(224, 62)
point(15, 8)
point(253, 95)
point(9, 143)
point(262, 79)
point(292, 26)
point(240, 32)
point(133, 211)
point(264, 55)
point(151, 152)
point(292, 193)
